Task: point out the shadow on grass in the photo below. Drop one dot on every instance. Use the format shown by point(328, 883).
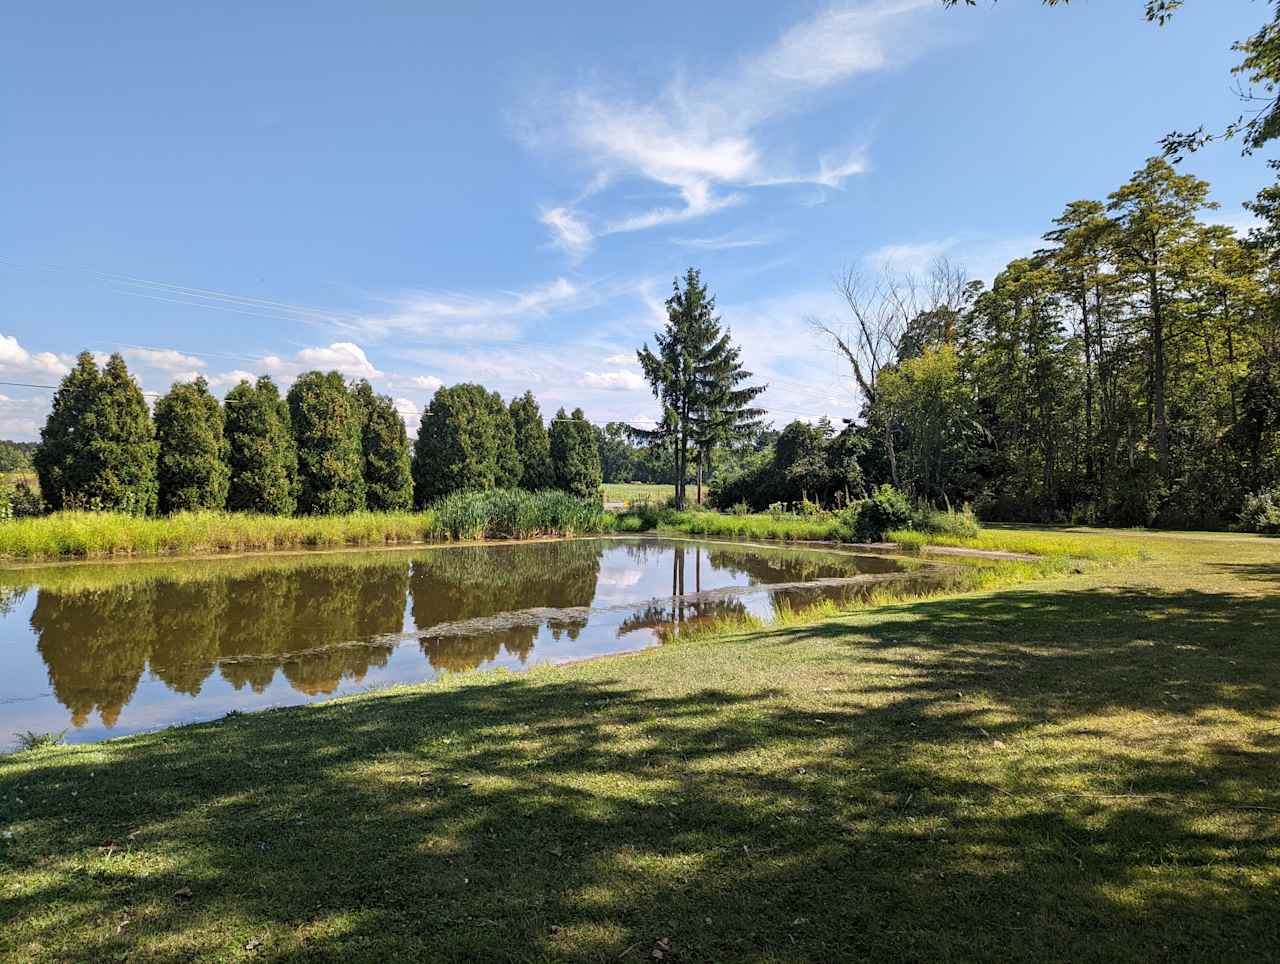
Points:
point(1034, 776)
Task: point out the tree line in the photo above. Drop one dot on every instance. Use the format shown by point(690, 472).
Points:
point(325, 447)
point(1127, 373)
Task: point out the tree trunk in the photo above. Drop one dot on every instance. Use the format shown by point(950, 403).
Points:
point(1158, 376)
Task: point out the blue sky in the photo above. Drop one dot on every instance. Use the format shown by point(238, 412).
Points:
point(422, 197)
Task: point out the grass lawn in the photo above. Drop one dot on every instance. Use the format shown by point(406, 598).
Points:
point(1086, 767)
point(631, 491)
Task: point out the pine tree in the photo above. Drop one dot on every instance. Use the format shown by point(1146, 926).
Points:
point(384, 446)
point(574, 456)
point(326, 429)
point(457, 446)
point(532, 443)
point(192, 471)
point(261, 451)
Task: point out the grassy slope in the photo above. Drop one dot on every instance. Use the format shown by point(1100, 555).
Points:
point(1083, 768)
point(630, 491)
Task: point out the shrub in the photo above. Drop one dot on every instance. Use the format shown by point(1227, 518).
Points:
point(31, 740)
point(887, 509)
point(1261, 512)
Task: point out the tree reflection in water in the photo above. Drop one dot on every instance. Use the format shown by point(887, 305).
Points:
point(477, 581)
point(324, 619)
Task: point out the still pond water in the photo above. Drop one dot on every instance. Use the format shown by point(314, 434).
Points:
point(106, 649)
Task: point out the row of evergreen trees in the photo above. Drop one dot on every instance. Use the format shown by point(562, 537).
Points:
point(324, 448)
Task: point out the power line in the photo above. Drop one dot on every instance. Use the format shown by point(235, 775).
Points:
point(285, 311)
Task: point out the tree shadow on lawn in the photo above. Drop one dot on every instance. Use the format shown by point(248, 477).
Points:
point(1033, 776)
point(1261, 572)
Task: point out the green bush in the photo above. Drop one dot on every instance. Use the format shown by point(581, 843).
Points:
point(1261, 512)
point(887, 509)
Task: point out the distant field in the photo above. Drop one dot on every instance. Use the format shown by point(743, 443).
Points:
point(13, 478)
point(630, 491)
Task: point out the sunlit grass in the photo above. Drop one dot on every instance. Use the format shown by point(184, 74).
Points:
point(1079, 766)
point(478, 515)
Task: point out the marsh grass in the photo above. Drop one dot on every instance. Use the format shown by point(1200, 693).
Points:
point(474, 515)
point(785, 528)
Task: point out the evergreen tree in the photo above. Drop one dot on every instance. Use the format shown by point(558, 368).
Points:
point(326, 429)
point(98, 447)
point(532, 443)
point(192, 471)
point(508, 465)
point(697, 375)
point(384, 445)
point(261, 452)
point(62, 460)
point(574, 456)
point(458, 445)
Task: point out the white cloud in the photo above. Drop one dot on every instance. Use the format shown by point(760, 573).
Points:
point(571, 232)
point(620, 381)
point(410, 412)
point(16, 360)
point(703, 139)
point(21, 418)
point(913, 258)
point(167, 359)
point(980, 258)
point(426, 382)
point(723, 242)
point(460, 317)
point(1241, 223)
point(232, 378)
point(343, 356)
point(622, 358)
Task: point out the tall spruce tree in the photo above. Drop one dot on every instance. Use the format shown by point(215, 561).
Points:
point(326, 428)
point(98, 446)
point(261, 452)
point(458, 444)
point(574, 456)
point(532, 443)
point(193, 470)
point(384, 446)
point(697, 375)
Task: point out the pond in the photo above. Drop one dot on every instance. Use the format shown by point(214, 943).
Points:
point(106, 649)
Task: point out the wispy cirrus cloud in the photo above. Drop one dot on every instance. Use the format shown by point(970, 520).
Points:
point(458, 316)
point(725, 242)
point(706, 140)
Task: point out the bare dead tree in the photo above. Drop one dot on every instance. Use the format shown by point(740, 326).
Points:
point(880, 309)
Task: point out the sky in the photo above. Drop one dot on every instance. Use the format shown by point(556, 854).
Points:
point(422, 194)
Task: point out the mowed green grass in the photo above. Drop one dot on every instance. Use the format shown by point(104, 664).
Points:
point(1080, 768)
point(633, 491)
